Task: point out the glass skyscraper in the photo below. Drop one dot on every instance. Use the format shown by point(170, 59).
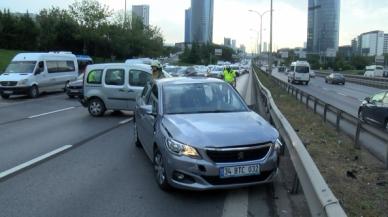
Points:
point(323, 25)
point(188, 26)
point(202, 21)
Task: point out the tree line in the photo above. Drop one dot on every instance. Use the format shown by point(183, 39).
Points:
point(204, 54)
point(86, 27)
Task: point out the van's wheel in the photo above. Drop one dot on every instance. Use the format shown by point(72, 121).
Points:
point(96, 107)
point(65, 88)
point(160, 170)
point(4, 96)
point(33, 92)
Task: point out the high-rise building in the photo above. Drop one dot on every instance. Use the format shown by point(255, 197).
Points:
point(202, 21)
point(371, 43)
point(354, 45)
point(386, 43)
point(142, 12)
point(234, 44)
point(188, 26)
point(228, 42)
point(323, 25)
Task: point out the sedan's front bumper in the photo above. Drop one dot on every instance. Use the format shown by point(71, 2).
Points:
point(203, 174)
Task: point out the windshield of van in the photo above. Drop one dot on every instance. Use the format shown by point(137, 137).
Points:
point(21, 67)
point(302, 69)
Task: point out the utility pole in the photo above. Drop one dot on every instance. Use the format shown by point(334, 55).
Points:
point(270, 42)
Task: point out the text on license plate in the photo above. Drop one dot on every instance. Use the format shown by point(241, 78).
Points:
point(8, 92)
point(236, 171)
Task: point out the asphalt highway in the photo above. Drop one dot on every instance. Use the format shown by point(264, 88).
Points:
point(57, 160)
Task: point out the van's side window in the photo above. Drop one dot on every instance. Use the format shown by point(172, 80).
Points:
point(114, 77)
point(139, 78)
point(60, 66)
point(292, 68)
point(95, 77)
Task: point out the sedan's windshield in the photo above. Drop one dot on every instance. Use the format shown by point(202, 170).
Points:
point(302, 69)
point(201, 98)
point(21, 67)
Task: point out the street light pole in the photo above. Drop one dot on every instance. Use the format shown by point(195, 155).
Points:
point(261, 26)
point(270, 43)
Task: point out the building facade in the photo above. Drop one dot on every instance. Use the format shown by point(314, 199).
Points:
point(188, 26)
point(202, 21)
point(386, 43)
point(142, 12)
point(323, 25)
point(228, 42)
point(370, 43)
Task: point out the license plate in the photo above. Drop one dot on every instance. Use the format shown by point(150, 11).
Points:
point(237, 171)
point(7, 92)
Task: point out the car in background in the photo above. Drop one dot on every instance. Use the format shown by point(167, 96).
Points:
point(299, 72)
point(374, 71)
point(173, 70)
point(114, 86)
point(385, 74)
point(374, 109)
point(83, 61)
point(75, 88)
point(33, 73)
point(183, 126)
point(312, 74)
point(146, 61)
point(216, 72)
point(201, 70)
point(282, 69)
point(237, 69)
point(335, 78)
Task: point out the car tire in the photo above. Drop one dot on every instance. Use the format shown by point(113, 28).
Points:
point(66, 84)
point(160, 171)
point(325, 81)
point(96, 107)
point(33, 92)
point(386, 125)
point(307, 83)
point(136, 136)
point(5, 96)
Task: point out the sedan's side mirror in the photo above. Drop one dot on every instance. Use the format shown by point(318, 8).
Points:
point(147, 109)
point(367, 99)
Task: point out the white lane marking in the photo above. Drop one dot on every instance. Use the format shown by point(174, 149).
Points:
point(33, 161)
point(48, 113)
point(341, 94)
point(236, 204)
point(324, 88)
point(125, 121)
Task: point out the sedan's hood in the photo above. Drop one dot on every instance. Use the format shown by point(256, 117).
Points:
point(76, 83)
point(14, 76)
point(219, 129)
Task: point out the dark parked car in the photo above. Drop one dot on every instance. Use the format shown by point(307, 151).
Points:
point(200, 135)
point(75, 88)
point(335, 78)
point(375, 109)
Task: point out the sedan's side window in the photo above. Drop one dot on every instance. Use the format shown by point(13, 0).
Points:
point(114, 77)
point(139, 78)
point(378, 97)
point(385, 100)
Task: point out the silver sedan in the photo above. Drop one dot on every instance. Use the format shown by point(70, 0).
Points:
point(200, 135)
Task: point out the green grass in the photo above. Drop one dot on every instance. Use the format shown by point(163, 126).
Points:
point(6, 57)
point(335, 155)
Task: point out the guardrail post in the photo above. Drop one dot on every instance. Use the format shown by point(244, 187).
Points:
point(324, 112)
point(339, 114)
point(301, 96)
point(307, 101)
point(315, 105)
point(357, 136)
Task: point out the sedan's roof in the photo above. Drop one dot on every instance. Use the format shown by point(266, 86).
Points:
point(187, 80)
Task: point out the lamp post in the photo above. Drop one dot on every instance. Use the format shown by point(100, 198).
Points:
point(261, 25)
point(270, 43)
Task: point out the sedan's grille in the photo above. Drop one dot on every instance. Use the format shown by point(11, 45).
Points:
point(215, 180)
point(8, 83)
point(239, 154)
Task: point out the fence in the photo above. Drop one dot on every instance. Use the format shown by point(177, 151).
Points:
point(320, 199)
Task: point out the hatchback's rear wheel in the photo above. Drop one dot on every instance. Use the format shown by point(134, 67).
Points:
point(160, 171)
point(96, 107)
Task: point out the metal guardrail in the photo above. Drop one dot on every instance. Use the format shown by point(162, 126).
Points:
point(320, 198)
point(341, 116)
point(368, 81)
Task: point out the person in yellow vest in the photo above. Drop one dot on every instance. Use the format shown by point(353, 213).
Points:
point(229, 76)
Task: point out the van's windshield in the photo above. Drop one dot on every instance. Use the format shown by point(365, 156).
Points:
point(302, 69)
point(21, 67)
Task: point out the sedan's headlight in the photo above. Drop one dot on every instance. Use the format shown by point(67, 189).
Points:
point(278, 146)
point(181, 149)
point(23, 82)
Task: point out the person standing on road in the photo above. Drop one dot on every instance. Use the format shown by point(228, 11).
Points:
point(157, 72)
point(229, 76)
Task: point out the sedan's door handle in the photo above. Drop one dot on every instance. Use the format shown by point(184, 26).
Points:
point(130, 91)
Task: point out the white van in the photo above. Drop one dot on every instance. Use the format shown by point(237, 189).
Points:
point(374, 71)
point(33, 73)
point(299, 72)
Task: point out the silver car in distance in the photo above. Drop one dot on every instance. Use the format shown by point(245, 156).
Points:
point(200, 135)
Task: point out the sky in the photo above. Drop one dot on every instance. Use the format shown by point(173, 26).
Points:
point(232, 19)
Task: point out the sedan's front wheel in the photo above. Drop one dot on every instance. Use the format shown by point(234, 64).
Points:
point(160, 171)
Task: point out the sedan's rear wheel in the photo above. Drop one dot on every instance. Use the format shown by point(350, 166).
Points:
point(96, 107)
point(160, 171)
